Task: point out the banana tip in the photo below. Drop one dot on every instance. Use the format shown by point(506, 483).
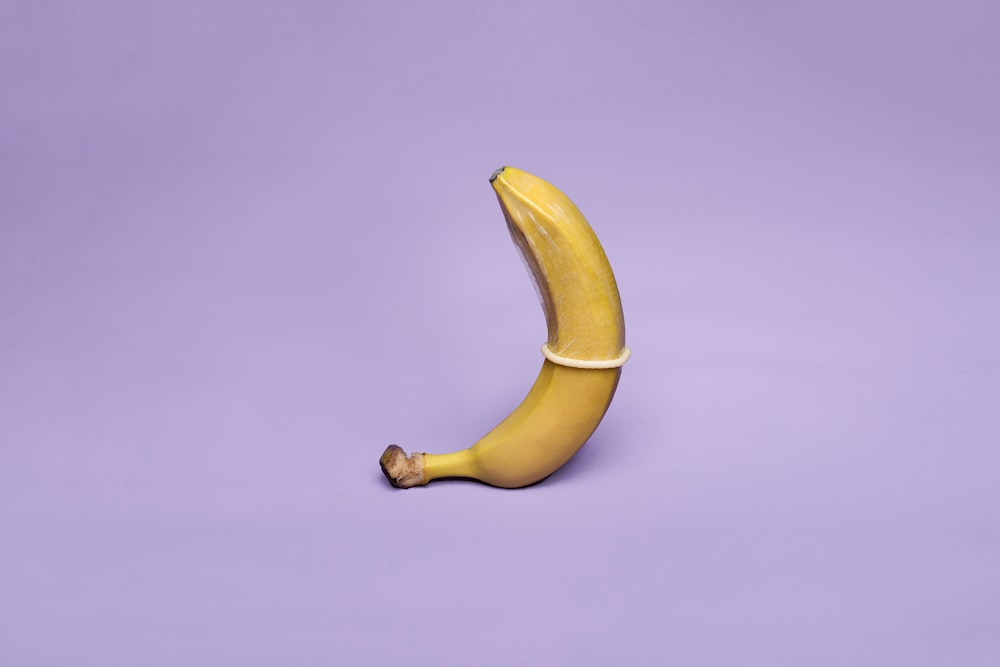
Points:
point(401, 470)
point(496, 173)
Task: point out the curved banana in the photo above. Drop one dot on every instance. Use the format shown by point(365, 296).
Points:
point(583, 354)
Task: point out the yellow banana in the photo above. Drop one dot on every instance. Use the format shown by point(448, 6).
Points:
point(583, 354)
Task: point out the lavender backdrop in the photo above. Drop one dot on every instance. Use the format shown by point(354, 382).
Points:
point(245, 245)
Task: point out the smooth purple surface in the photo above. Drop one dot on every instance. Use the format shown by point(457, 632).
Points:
point(245, 245)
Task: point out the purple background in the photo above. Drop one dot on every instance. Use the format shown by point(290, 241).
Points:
point(245, 245)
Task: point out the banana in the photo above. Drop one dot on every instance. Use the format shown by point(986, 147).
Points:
point(584, 352)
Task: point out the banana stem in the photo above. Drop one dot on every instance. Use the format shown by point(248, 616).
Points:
point(455, 464)
point(418, 468)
